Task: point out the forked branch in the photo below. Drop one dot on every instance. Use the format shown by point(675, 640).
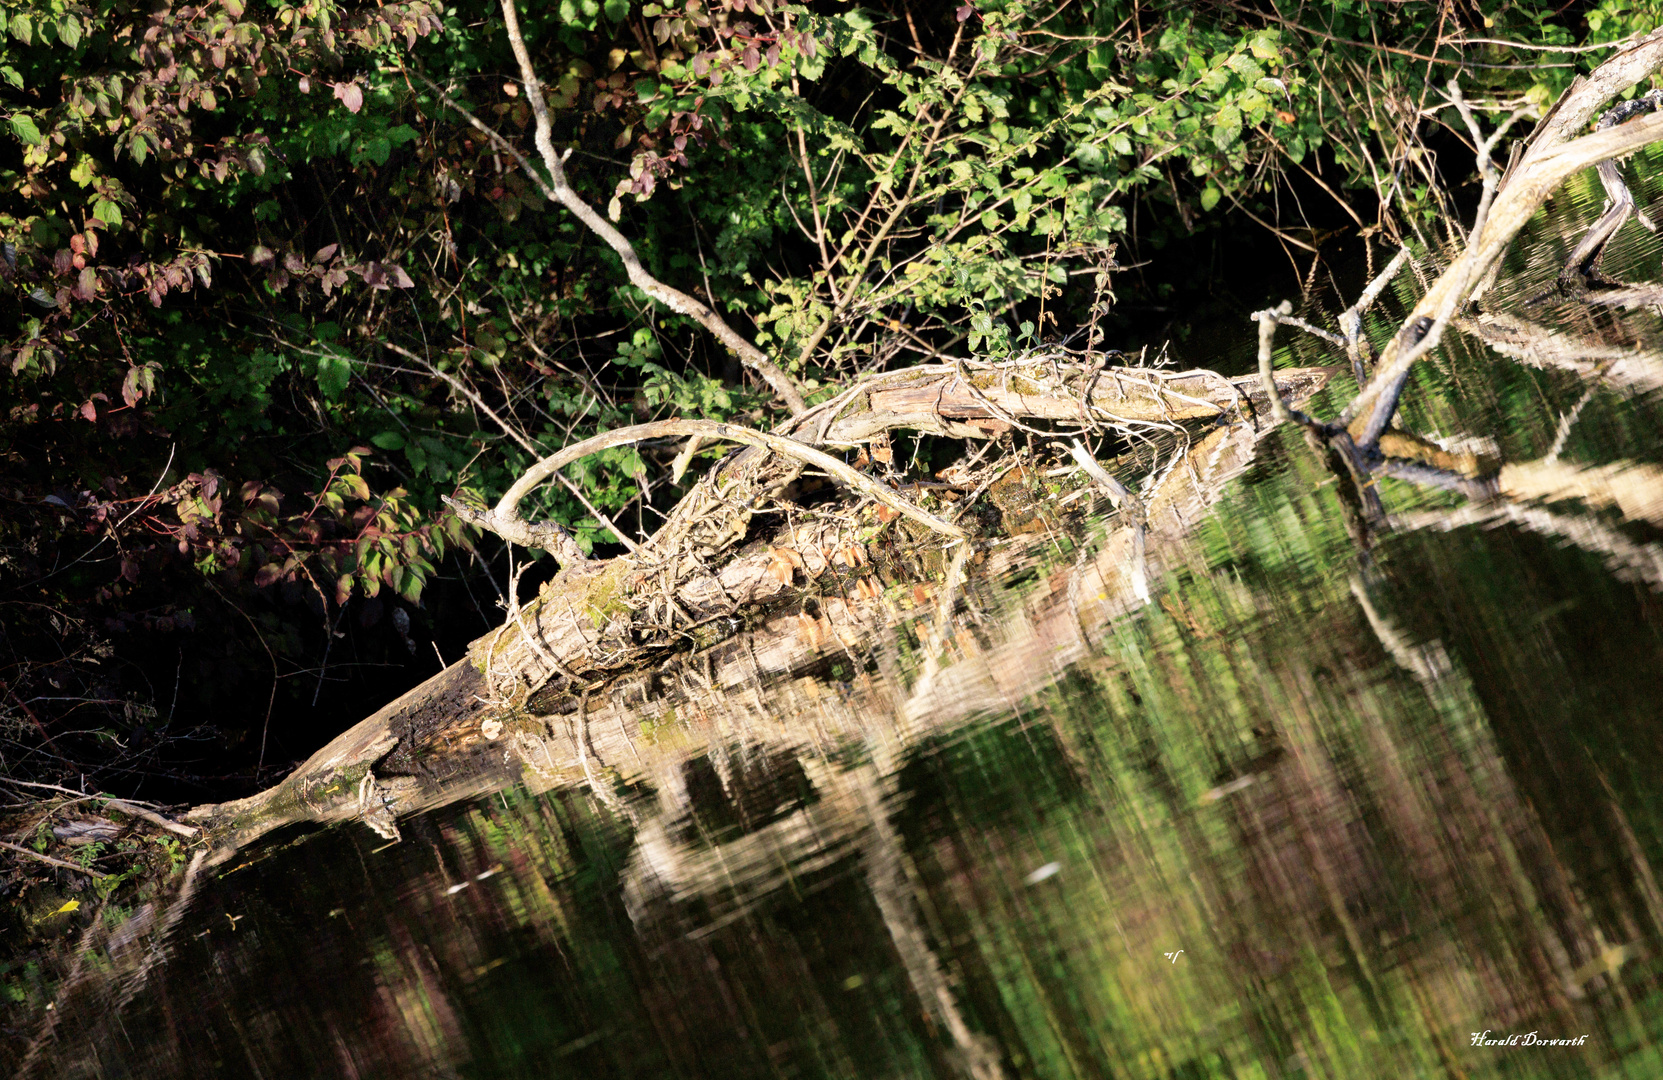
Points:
point(556, 189)
point(1551, 157)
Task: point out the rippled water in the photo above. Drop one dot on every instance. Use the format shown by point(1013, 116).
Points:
point(1313, 811)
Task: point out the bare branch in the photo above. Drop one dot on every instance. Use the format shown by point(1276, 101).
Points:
point(1538, 173)
point(504, 519)
point(50, 861)
point(1267, 321)
point(556, 189)
point(513, 432)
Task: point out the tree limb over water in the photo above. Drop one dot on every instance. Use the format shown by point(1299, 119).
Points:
point(1362, 436)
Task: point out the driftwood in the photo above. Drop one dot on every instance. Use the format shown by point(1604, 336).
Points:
point(543, 696)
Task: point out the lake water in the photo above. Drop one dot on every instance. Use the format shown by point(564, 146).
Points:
point(1313, 811)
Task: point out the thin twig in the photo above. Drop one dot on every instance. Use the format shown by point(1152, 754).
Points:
point(61, 864)
point(513, 432)
point(1130, 504)
point(1267, 321)
point(1567, 422)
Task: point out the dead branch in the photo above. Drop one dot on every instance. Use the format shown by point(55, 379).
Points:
point(1362, 436)
point(513, 432)
point(1550, 158)
point(942, 399)
point(50, 861)
point(505, 521)
point(556, 189)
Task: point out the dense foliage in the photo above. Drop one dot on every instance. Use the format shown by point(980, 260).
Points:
point(268, 294)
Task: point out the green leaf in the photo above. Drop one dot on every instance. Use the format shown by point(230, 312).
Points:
point(1227, 127)
point(23, 126)
point(69, 30)
point(107, 212)
point(22, 29)
point(374, 150)
point(1264, 44)
point(334, 373)
point(617, 10)
point(1210, 197)
point(388, 440)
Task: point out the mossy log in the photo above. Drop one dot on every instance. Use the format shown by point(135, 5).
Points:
point(778, 606)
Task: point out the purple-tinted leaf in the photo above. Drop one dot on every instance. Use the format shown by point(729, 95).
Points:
point(351, 95)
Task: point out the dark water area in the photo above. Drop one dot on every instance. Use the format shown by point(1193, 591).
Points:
point(1311, 811)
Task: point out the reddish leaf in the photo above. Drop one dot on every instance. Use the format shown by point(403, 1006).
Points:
point(351, 95)
point(325, 253)
point(130, 390)
point(89, 412)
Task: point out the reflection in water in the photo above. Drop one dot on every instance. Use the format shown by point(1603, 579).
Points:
point(1302, 814)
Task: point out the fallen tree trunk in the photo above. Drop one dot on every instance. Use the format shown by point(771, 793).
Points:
point(807, 589)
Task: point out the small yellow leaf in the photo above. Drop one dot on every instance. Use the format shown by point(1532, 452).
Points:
point(69, 905)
